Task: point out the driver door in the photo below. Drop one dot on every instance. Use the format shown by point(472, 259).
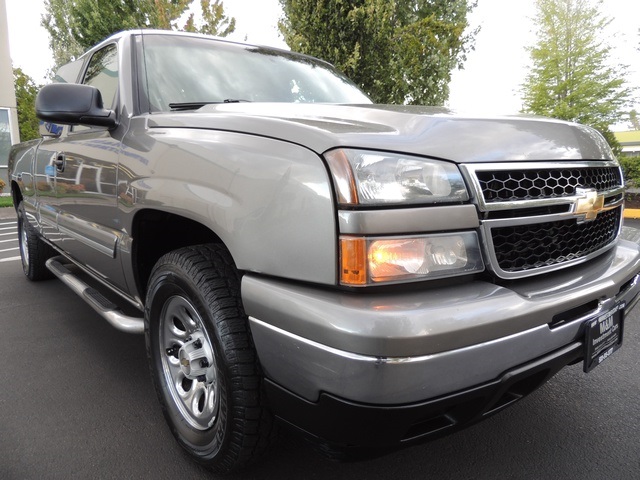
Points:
point(86, 161)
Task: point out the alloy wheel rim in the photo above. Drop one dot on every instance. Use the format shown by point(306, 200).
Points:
point(24, 246)
point(188, 363)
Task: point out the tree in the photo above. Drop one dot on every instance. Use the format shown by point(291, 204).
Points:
point(397, 52)
point(26, 91)
point(91, 21)
point(571, 77)
point(76, 25)
point(633, 118)
point(57, 21)
point(215, 22)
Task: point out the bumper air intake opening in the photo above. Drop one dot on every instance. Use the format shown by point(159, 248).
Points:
point(430, 426)
point(573, 314)
point(518, 390)
point(457, 413)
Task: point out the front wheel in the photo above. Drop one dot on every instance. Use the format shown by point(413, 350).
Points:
point(34, 252)
point(204, 366)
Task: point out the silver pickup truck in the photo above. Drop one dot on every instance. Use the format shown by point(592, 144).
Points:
point(370, 275)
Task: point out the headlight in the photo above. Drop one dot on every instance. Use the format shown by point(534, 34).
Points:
point(381, 260)
point(364, 177)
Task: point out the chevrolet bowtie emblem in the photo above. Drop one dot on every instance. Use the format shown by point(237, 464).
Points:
point(590, 203)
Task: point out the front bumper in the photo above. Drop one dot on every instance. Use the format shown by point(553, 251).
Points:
point(357, 428)
point(413, 346)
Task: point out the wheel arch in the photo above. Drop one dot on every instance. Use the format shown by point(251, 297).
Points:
point(155, 233)
point(16, 194)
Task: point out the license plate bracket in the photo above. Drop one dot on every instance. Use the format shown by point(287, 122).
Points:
point(603, 336)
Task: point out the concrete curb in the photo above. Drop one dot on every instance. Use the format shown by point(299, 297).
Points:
point(632, 213)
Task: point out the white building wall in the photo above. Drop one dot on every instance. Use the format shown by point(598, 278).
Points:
point(7, 94)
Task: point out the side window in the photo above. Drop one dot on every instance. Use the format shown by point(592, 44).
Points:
point(68, 73)
point(102, 73)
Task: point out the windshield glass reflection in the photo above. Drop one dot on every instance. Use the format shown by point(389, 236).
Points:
point(196, 70)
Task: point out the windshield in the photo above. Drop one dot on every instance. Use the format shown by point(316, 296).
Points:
point(191, 70)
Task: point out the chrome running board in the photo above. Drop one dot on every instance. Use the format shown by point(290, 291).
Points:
point(102, 305)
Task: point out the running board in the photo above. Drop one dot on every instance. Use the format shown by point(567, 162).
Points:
point(102, 305)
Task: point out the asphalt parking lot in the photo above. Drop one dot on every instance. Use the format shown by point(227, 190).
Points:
point(9, 250)
point(76, 401)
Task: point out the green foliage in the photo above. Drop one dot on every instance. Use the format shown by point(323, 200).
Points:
point(397, 52)
point(58, 22)
point(91, 21)
point(215, 22)
point(630, 170)
point(162, 14)
point(571, 77)
point(26, 91)
point(76, 25)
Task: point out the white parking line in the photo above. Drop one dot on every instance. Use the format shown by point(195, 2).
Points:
point(10, 240)
point(10, 233)
point(10, 259)
point(8, 228)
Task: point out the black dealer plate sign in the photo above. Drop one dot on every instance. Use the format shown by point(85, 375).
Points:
point(603, 336)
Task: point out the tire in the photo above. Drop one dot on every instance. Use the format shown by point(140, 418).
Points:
point(203, 363)
point(34, 252)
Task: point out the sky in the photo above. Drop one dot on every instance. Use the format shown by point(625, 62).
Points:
point(489, 82)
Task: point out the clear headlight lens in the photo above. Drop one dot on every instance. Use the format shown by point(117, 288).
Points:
point(364, 177)
point(367, 261)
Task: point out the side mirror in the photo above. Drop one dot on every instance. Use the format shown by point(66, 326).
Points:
point(73, 104)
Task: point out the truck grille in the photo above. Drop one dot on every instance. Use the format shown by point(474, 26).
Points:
point(501, 186)
point(529, 218)
point(527, 247)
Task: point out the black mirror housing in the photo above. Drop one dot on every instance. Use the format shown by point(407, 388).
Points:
point(73, 104)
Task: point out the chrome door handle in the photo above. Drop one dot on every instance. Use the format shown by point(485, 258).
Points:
point(59, 162)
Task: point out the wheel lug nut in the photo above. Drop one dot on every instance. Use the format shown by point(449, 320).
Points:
point(197, 344)
point(204, 363)
point(173, 351)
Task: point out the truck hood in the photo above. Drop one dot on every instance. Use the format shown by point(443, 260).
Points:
point(429, 131)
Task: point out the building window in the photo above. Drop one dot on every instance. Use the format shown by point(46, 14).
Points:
point(5, 136)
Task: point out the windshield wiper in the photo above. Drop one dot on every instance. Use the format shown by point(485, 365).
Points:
point(196, 105)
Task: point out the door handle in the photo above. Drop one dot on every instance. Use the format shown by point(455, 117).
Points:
point(59, 162)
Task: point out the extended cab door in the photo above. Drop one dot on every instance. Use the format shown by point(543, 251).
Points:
point(84, 166)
